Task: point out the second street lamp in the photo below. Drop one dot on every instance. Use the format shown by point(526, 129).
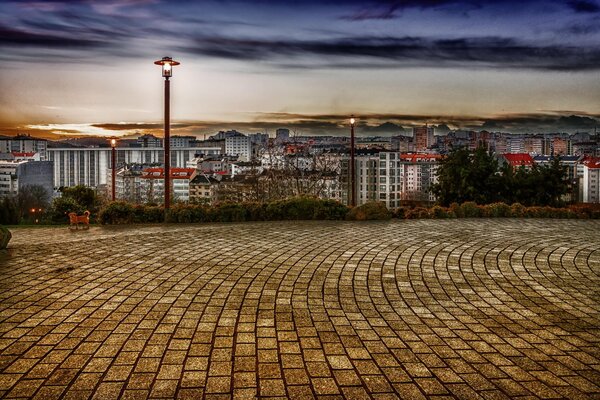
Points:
point(113, 161)
point(352, 172)
point(167, 64)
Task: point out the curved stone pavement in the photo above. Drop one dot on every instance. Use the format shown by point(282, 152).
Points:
point(402, 309)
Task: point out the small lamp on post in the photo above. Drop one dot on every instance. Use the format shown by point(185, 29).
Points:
point(167, 64)
point(113, 161)
point(352, 172)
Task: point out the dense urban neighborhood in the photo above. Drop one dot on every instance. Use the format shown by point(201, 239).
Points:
point(236, 167)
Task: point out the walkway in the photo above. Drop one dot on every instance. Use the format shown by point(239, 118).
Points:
point(463, 308)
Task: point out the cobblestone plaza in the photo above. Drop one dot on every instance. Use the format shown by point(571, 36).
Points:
point(403, 309)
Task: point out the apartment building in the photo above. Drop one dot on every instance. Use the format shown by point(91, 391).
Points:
point(152, 184)
point(391, 177)
point(17, 174)
point(240, 146)
point(423, 137)
point(591, 180)
point(24, 144)
point(89, 166)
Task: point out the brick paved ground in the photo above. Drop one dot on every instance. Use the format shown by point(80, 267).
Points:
point(410, 309)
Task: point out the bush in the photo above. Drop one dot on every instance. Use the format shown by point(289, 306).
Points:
point(470, 209)
point(439, 212)
point(299, 208)
point(61, 207)
point(330, 210)
point(117, 212)
point(417, 213)
point(497, 210)
point(400, 212)
point(583, 210)
point(9, 212)
point(457, 210)
point(5, 237)
point(518, 210)
point(229, 212)
point(369, 211)
point(148, 214)
point(256, 211)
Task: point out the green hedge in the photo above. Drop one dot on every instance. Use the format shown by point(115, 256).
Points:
point(308, 208)
point(299, 208)
point(369, 211)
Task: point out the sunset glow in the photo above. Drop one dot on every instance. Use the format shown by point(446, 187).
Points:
point(86, 67)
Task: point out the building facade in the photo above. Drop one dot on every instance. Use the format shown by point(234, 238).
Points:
point(423, 137)
point(591, 180)
point(392, 177)
point(152, 184)
point(16, 175)
point(88, 166)
point(24, 144)
point(240, 146)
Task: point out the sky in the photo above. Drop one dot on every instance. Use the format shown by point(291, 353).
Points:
point(85, 67)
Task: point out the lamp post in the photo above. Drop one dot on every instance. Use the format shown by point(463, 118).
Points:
point(352, 172)
point(167, 64)
point(113, 161)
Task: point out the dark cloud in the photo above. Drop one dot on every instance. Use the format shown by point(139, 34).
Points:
point(16, 37)
point(393, 9)
point(584, 6)
point(537, 123)
point(404, 51)
point(134, 126)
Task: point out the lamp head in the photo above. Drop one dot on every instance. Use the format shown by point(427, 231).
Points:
point(113, 142)
point(167, 64)
point(352, 120)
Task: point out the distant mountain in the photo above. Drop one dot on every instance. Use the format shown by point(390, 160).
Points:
point(387, 128)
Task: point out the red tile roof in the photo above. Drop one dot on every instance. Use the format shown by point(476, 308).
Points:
point(593, 163)
point(17, 154)
point(420, 157)
point(176, 173)
point(518, 159)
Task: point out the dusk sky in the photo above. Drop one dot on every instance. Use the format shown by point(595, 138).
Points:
point(86, 67)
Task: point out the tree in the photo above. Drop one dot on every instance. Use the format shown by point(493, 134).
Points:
point(465, 176)
point(84, 196)
point(32, 197)
point(75, 199)
point(9, 211)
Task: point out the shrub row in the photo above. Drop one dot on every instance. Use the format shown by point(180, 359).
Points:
point(307, 208)
point(499, 210)
point(299, 208)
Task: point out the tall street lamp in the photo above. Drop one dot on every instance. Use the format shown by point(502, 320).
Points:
point(352, 173)
point(113, 161)
point(167, 64)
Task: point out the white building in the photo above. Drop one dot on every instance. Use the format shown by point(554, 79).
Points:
point(152, 184)
point(16, 174)
point(24, 144)
point(392, 177)
point(182, 141)
point(282, 135)
point(88, 166)
point(240, 146)
point(515, 145)
point(591, 180)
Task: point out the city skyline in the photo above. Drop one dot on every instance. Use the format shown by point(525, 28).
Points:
point(85, 67)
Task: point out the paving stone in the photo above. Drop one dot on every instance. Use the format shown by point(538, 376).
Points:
point(483, 308)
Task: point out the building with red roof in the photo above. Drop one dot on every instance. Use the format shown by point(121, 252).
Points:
point(517, 160)
point(152, 183)
point(591, 180)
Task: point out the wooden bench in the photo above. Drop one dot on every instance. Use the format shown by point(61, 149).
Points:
point(76, 220)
